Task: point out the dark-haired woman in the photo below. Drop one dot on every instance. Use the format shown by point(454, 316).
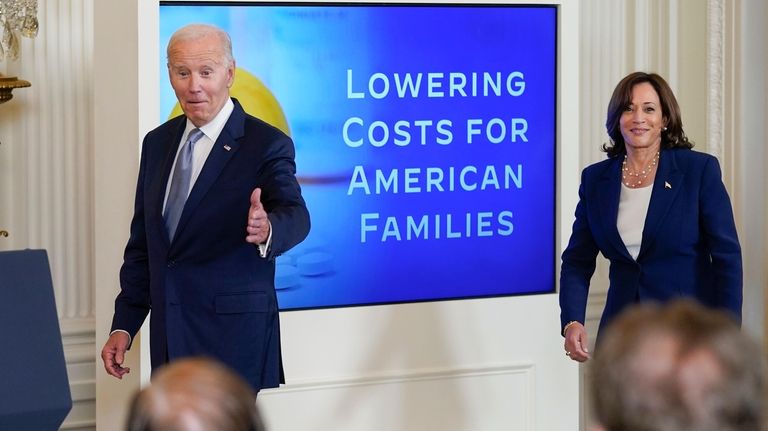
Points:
point(657, 210)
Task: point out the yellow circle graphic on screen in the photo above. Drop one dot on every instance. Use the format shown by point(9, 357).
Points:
point(256, 99)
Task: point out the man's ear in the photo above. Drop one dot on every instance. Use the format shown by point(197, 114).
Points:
point(231, 73)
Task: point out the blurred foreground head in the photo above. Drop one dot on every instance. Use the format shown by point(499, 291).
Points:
point(195, 395)
point(677, 367)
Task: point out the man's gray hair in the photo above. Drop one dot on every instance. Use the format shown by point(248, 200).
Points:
point(197, 31)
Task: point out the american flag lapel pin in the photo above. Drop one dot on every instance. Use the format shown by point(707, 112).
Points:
point(667, 185)
point(227, 147)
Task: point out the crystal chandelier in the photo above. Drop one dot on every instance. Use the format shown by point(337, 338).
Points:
point(17, 17)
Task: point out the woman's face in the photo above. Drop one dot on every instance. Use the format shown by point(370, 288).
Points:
point(642, 120)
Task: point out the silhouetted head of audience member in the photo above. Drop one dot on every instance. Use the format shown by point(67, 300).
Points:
point(677, 367)
point(195, 394)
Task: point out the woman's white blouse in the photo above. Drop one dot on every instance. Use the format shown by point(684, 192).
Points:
point(633, 207)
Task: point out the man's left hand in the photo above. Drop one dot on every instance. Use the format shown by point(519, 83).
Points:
point(113, 354)
point(258, 224)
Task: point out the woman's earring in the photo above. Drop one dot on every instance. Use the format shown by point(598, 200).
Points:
point(664, 129)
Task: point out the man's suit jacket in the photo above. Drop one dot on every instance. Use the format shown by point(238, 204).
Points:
point(689, 244)
point(209, 290)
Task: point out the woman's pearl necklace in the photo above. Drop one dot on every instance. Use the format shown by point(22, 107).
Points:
point(635, 179)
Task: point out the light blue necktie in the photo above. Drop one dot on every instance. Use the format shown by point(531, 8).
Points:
point(182, 175)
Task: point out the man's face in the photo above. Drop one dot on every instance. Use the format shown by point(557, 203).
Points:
point(200, 76)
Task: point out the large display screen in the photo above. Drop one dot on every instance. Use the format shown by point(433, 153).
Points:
point(425, 142)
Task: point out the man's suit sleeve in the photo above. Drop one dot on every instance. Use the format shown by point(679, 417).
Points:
point(719, 230)
point(281, 196)
point(133, 302)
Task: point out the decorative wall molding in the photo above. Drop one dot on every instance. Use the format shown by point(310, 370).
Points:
point(672, 43)
point(604, 60)
point(642, 19)
point(79, 340)
point(435, 398)
point(715, 84)
point(526, 368)
point(653, 31)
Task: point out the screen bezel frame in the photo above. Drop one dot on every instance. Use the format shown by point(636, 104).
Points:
point(566, 93)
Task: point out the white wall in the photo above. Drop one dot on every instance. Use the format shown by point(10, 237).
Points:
point(751, 159)
point(116, 133)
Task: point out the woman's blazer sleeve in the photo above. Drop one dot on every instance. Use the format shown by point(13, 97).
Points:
point(719, 231)
point(578, 263)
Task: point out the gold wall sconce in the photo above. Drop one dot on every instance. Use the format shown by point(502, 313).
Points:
point(7, 84)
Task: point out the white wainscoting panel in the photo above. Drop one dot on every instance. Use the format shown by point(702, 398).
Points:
point(80, 354)
point(470, 365)
point(480, 398)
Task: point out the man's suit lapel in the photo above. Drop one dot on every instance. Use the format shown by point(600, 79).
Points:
point(608, 191)
point(666, 185)
point(223, 149)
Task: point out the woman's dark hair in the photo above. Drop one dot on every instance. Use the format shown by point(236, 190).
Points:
point(673, 137)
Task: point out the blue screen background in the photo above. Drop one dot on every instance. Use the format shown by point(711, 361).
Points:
point(303, 55)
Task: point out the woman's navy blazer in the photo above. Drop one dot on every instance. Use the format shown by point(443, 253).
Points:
point(689, 245)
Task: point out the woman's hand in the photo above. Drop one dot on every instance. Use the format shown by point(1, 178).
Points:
point(576, 342)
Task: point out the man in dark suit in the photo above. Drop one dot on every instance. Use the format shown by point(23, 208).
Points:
point(217, 200)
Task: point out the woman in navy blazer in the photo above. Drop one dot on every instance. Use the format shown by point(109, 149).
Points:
point(657, 210)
